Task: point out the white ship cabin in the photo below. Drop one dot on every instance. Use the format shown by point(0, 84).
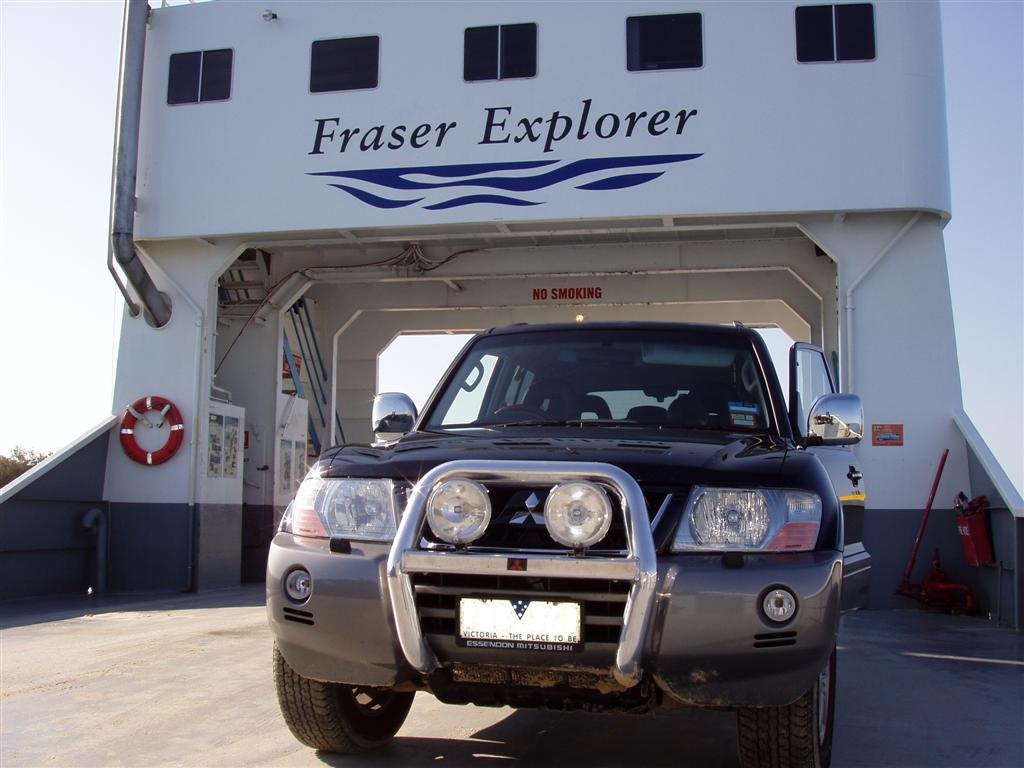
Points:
point(301, 182)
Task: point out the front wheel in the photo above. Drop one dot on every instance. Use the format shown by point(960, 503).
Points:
point(798, 735)
point(334, 717)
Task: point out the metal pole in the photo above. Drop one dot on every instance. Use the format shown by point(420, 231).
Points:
point(126, 162)
point(905, 586)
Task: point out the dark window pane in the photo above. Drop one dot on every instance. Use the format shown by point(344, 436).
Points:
point(480, 57)
point(671, 41)
point(344, 64)
point(814, 33)
point(183, 78)
point(518, 50)
point(216, 84)
point(855, 32)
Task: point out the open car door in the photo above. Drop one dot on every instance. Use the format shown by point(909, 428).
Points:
point(809, 379)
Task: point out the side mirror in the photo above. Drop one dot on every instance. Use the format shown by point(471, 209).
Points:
point(835, 420)
point(393, 416)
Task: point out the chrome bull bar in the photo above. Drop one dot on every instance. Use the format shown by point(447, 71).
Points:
point(639, 565)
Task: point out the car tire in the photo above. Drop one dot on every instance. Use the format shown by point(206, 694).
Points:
point(338, 718)
point(798, 735)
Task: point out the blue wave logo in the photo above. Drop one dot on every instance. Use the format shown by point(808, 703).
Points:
point(439, 187)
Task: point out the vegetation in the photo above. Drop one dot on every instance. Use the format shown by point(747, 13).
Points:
point(19, 460)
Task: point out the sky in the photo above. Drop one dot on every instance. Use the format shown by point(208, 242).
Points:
point(59, 309)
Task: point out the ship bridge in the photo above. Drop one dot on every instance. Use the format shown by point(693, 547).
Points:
point(297, 186)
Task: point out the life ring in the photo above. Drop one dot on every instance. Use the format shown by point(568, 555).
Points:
point(169, 414)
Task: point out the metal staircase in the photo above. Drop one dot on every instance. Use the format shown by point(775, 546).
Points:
point(313, 375)
point(243, 290)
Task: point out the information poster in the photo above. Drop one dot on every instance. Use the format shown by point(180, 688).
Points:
point(230, 446)
point(300, 462)
point(215, 446)
point(886, 434)
point(285, 466)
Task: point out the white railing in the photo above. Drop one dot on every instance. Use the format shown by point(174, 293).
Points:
point(1003, 485)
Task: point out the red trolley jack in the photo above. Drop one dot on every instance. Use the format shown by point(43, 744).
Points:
point(935, 591)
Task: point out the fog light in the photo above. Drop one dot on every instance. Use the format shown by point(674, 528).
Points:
point(298, 585)
point(779, 605)
point(577, 514)
point(458, 511)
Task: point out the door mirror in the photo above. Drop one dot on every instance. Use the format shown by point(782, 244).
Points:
point(394, 415)
point(835, 420)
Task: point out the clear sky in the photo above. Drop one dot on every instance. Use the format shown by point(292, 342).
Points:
point(59, 309)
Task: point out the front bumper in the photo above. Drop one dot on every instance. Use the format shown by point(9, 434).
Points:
point(691, 625)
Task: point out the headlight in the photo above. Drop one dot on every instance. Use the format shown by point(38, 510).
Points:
point(458, 511)
point(744, 520)
point(342, 507)
point(577, 514)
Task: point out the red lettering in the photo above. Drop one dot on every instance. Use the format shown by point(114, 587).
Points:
point(568, 294)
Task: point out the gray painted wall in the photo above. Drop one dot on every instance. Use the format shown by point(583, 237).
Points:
point(43, 547)
point(150, 547)
point(219, 546)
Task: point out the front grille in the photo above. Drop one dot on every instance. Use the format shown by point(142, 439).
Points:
point(517, 522)
point(604, 601)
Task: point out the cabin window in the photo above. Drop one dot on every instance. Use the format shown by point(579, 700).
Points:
point(344, 64)
point(500, 52)
point(835, 32)
point(199, 76)
point(668, 41)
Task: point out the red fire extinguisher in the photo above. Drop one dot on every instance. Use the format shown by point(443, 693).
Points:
point(972, 525)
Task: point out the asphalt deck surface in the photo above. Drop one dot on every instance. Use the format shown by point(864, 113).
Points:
point(186, 680)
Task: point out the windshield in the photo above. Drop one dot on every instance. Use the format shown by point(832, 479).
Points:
point(668, 379)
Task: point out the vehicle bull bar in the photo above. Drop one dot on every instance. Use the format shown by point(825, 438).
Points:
point(639, 565)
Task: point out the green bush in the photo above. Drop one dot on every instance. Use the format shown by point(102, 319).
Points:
point(19, 461)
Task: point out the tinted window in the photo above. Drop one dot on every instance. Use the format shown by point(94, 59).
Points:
point(671, 41)
point(344, 64)
point(855, 32)
point(500, 52)
point(518, 50)
point(814, 33)
point(835, 32)
point(480, 56)
point(183, 78)
point(199, 76)
point(216, 78)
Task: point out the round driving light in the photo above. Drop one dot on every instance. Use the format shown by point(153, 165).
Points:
point(779, 605)
point(577, 514)
point(458, 511)
point(298, 585)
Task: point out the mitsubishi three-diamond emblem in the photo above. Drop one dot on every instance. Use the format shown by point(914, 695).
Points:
point(530, 514)
point(520, 606)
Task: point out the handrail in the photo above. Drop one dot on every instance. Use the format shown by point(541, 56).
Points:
point(26, 479)
point(1004, 486)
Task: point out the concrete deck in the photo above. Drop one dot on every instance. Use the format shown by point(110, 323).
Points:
point(186, 681)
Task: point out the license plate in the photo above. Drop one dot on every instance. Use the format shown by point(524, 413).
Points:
point(520, 624)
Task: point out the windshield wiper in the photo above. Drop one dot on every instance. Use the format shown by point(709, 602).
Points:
point(708, 428)
point(559, 423)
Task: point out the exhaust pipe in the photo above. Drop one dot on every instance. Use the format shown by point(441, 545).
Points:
point(157, 304)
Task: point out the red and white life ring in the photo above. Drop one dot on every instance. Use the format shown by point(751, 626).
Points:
point(169, 414)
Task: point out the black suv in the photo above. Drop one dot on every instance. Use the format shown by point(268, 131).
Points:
point(604, 516)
